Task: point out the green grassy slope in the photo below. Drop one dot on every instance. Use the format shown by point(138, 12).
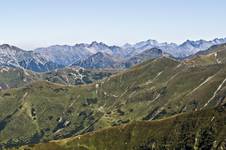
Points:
point(41, 110)
point(156, 89)
point(203, 130)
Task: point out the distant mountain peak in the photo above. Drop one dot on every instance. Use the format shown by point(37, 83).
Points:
point(5, 45)
point(127, 45)
point(94, 43)
point(10, 47)
point(98, 44)
point(153, 42)
point(80, 45)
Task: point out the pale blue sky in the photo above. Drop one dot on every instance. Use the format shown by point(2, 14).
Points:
point(36, 23)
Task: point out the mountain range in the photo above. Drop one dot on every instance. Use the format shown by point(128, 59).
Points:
point(97, 55)
point(161, 103)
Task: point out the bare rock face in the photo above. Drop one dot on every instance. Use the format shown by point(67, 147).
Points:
point(16, 57)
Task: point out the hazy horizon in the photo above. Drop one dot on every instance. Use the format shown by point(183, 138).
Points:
point(72, 44)
point(32, 24)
